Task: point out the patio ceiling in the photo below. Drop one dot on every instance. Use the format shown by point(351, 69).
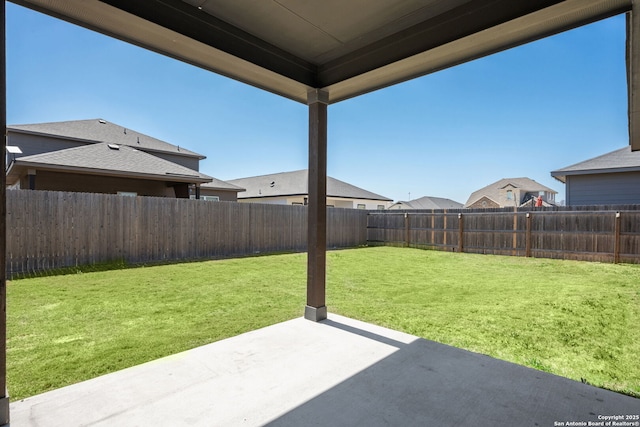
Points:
point(346, 48)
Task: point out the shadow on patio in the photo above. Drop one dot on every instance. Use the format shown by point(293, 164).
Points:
point(339, 372)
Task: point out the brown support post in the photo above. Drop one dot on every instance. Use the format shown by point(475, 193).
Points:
point(528, 236)
point(4, 394)
point(616, 243)
point(197, 191)
point(316, 309)
point(633, 74)
point(460, 233)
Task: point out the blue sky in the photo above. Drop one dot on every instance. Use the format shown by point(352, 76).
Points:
point(523, 112)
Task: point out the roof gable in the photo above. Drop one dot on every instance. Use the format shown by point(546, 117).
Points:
point(218, 184)
point(99, 130)
point(296, 183)
point(484, 199)
point(509, 185)
point(107, 159)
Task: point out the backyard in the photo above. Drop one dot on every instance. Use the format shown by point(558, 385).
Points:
point(574, 319)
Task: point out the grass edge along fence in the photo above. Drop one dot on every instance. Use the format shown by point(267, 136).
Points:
point(587, 235)
point(48, 230)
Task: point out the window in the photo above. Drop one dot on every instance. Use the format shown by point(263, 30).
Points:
point(380, 207)
point(509, 195)
point(362, 206)
point(127, 193)
point(207, 198)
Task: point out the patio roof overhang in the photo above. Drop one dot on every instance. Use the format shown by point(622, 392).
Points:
point(344, 48)
point(324, 52)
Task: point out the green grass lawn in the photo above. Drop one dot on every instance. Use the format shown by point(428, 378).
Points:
point(575, 319)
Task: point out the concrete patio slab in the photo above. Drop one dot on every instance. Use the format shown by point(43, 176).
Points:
point(338, 372)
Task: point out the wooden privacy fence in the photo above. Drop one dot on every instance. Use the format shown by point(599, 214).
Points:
point(48, 230)
point(607, 236)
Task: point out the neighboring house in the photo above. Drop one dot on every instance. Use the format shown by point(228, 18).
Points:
point(610, 179)
point(45, 137)
point(92, 156)
point(511, 192)
point(291, 188)
point(103, 168)
point(218, 190)
point(427, 202)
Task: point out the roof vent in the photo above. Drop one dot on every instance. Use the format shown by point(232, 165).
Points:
point(272, 184)
point(113, 146)
point(102, 121)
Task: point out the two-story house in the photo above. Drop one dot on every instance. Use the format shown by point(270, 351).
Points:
point(511, 192)
point(98, 156)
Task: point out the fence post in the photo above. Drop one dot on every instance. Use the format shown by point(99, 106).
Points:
point(460, 233)
point(445, 230)
point(616, 247)
point(406, 229)
point(433, 228)
point(528, 236)
point(514, 239)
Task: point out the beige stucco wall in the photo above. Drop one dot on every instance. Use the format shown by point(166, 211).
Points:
point(331, 201)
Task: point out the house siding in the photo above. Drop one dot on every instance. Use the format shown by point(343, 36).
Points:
point(57, 181)
point(603, 189)
point(188, 162)
point(225, 196)
point(37, 144)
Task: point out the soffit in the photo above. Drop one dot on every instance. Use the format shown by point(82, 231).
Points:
point(344, 47)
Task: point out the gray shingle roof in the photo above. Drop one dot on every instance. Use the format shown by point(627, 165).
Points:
point(106, 159)
point(622, 160)
point(99, 130)
point(428, 202)
point(492, 191)
point(296, 183)
point(218, 184)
